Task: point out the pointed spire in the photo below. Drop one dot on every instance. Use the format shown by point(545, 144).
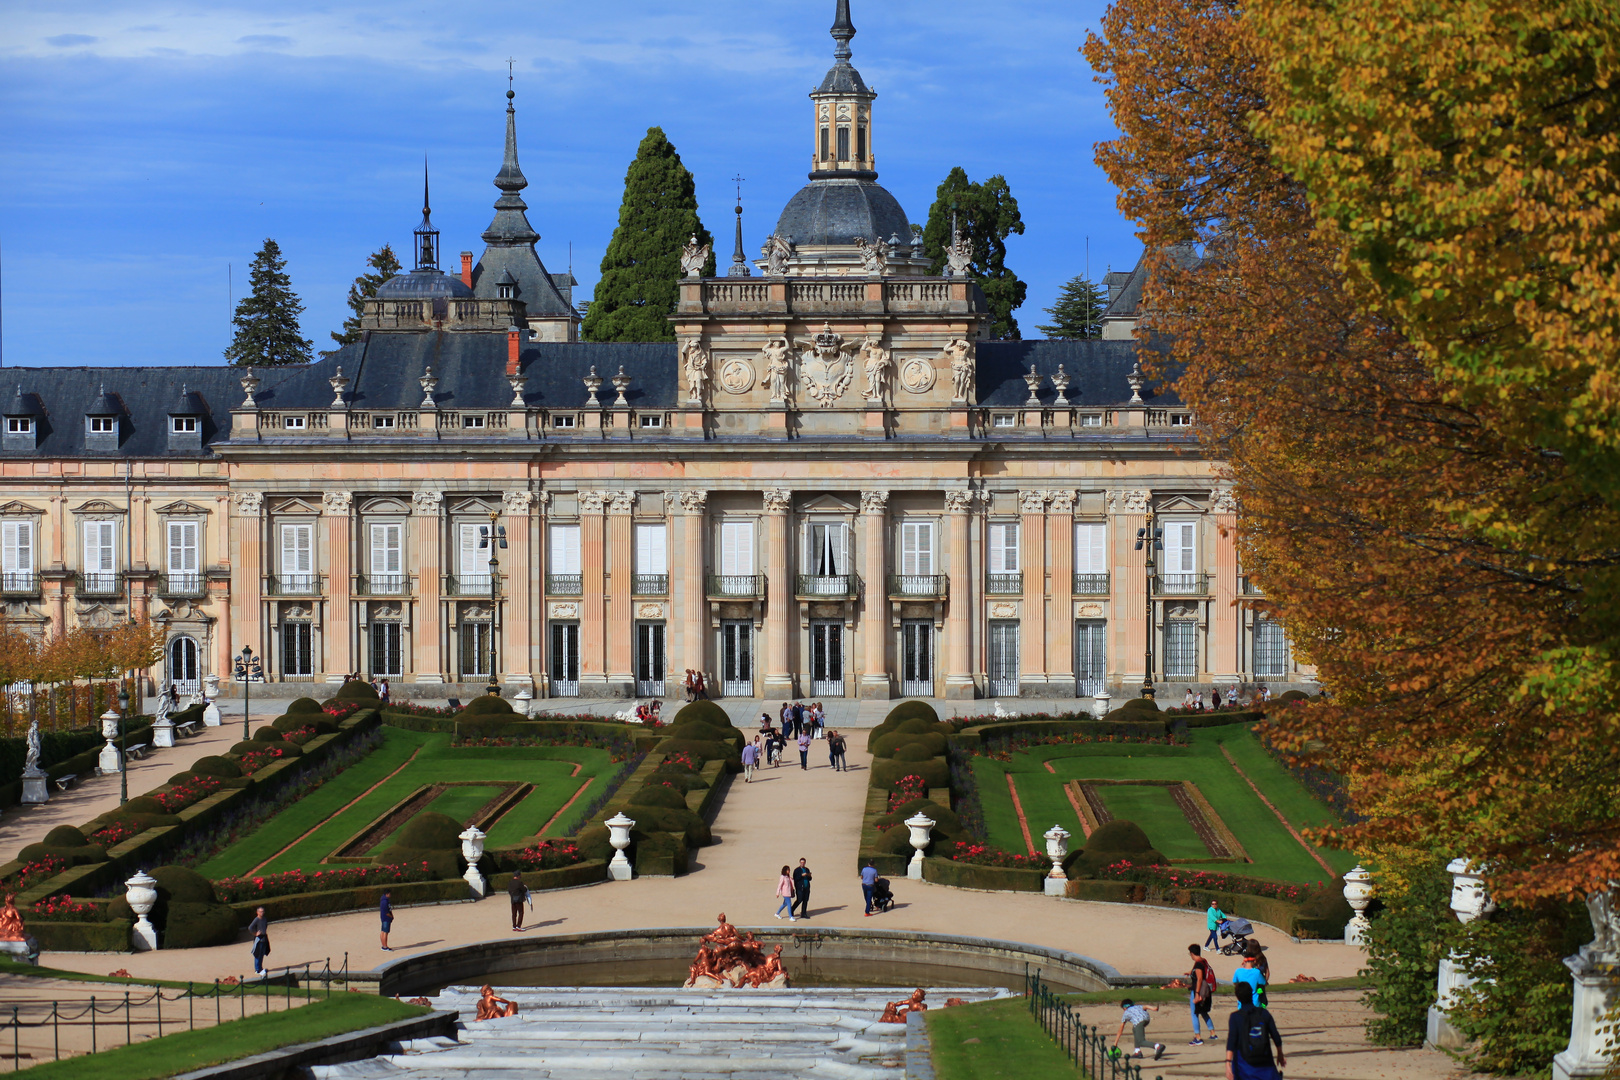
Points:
point(842, 31)
point(427, 237)
point(510, 226)
point(511, 178)
point(739, 263)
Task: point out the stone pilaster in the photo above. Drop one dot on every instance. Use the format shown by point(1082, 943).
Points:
point(694, 627)
point(875, 601)
point(620, 566)
point(517, 567)
point(959, 683)
point(779, 680)
point(1225, 655)
point(247, 571)
point(1032, 618)
point(1129, 624)
point(1060, 593)
point(340, 653)
point(428, 537)
point(593, 596)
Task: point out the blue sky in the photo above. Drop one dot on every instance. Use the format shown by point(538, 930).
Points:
point(145, 146)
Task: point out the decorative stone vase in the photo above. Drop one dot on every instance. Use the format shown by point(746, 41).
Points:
point(1468, 902)
point(920, 826)
point(141, 892)
point(472, 849)
point(523, 702)
point(210, 686)
point(1099, 704)
point(1358, 891)
point(619, 827)
point(1057, 848)
point(111, 760)
point(1596, 968)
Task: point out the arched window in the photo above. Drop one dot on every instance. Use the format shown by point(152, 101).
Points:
point(183, 667)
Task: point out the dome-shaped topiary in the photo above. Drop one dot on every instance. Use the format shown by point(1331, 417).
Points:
point(1293, 695)
point(888, 745)
point(214, 765)
point(356, 690)
point(670, 819)
point(65, 836)
point(887, 773)
point(304, 705)
point(697, 729)
point(1142, 704)
point(268, 733)
point(1119, 835)
point(143, 804)
point(656, 794)
point(912, 752)
point(699, 748)
point(912, 710)
point(946, 823)
point(431, 831)
point(703, 712)
point(180, 884)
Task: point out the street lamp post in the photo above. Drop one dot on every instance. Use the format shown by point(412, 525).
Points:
point(245, 667)
point(123, 772)
point(493, 537)
point(1152, 539)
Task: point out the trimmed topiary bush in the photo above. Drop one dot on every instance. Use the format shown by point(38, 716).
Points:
point(702, 712)
point(356, 690)
point(432, 831)
point(179, 884)
point(143, 804)
point(199, 926)
point(65, 836)
point(268, 733)
point(1141, 704)
point(931, 741)
point(691, 826)
point(682, 780)
point(708, 751)
point(486, 705)
point(1324, 912)
point(946, 823)
point(1119, 835)
point(887, 772)
point(913, 752)
point(305, 705)
point(1294, 695)
point(661, 855)
point(912, 710)
point(215, 765)
point(659, 795)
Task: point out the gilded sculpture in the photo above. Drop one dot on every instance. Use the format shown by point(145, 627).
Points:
point(491, 1007)
point(895, 1011)
point(11, 921)
point(727, 959)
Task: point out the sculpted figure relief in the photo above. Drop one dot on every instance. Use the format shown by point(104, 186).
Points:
point(958, 353)
point(959, 256)
point(11, 923)
point(778, 358)
point(895, 1011)
point(693, 256)
point(878, 368)
point(826, 367)
point(695, 363)
point(874, 255)
point(491, 1007)
point(777, 252)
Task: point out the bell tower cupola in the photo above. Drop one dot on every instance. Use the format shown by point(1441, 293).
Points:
point(843, 111)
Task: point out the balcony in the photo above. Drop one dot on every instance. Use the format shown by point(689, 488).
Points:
point(565, 584)
point(471, 585)
point(99, 583)
point(1251, 587)
point(736, 586)
point(918, 586)
point(1181, 585)
point(826, 586)
point(384, 584)
point(1091, 584)
point(649, 584)
point(182, 585)
point(1004, 584)
point(294, 585)
point(19, 583)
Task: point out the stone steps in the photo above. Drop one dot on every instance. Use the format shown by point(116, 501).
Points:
point(652, 1034)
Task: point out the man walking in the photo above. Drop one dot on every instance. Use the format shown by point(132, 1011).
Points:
point(801, 889)
point(386, 909)
point(868, 883)
point(517, 892)
point(260, 929)
point(750, 758)
point(835, 751)
point(804, 750)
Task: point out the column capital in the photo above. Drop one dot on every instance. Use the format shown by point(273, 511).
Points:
point(778, 500)
point(1128, 502)
point(518, 503)
point(874, 502)
point(1033, 502)
point(692, 502)
point(428, 503)
point(621, 502)
point(592, 502)
point(337, 503)
point(1062, 502)
point(959, 500)
point(1223, 501)
point(249, 503)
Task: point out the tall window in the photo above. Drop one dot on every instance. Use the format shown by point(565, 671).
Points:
point(843, 144)
point(472, 565)
point(1090, 557)
point(475, 638)
point(1180, 574)
point(737, 548)
point(17, 554)
point(298, 558)
point(387, 654)
point(387, 558)
point(652, 560)
point(826, 147)
point(917, 548)
point(1270, 648)
point(1180, 650)
point(100, 556)
point(860, 143)
point(1004, 548)
point(826, 549)
point(184, 566)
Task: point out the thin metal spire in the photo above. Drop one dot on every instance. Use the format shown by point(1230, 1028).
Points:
point(739, 263)
point(427, 237)
point(842, 31)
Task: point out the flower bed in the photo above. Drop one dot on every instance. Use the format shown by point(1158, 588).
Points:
point(300, 735)
point(550, 855)
point(33, 873)
point(254, 760)
point(114, 834)
point(263, 886)
point(977, 854)
point(909, 788)
point(64, 909)
point(680, 761)
point(180, 796)
point(1170, 877)
point(341, 710)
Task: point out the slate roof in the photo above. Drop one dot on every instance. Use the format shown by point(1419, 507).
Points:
point(1098, 371)
point(837, 211)
point(511, 239)
point(1129, 298)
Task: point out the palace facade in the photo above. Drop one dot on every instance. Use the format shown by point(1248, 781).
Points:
point(832, 484)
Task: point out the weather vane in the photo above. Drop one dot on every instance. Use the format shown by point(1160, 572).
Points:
point(509, 62)
point(739, 182)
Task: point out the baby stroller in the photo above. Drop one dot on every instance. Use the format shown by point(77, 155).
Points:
point(882, 895)
point(1238, 931)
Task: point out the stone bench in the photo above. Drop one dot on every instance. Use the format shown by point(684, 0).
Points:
point(65, 781)
point(139, 750)
point(188, 729)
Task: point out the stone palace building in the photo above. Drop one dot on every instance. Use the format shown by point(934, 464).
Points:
point(833, 484)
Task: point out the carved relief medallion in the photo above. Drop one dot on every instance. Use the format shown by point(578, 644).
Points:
point(1089, 611)
point(918, 374)
point(736, 376)
point(650, 611)
point(1003, 611)
point(565, 611)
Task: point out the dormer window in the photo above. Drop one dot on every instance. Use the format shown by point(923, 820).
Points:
point(1004, 420)
point(180, 425)
point(472, 421)
point(20, 425)
point(563, 420)
point(293, 423)
point(382, 422)
point(103, 425)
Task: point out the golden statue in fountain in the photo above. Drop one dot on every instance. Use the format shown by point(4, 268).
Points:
point(729, 960)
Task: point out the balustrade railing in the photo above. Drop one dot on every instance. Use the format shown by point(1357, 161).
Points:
point(743, 586)
point(1091, 584)
point(918, 585)
point(564, 584)
point(1004, 584)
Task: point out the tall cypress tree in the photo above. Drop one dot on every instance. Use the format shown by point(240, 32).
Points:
point(987, 214)
point(642, 268)
point(1077, 315)
point(266, 320)
point(386, 264)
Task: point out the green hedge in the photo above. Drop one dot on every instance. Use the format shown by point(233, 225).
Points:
point(82, 936)
point(1258, 909)
point(969, 876)
point(358, 899)
point(887, 772)
point(82, 764)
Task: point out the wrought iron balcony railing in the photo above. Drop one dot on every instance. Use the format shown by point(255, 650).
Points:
point(565, 584)
point(471, 584)
point(737, 586)
point(1181, 585)
point(826, 586)
point(1004, 584)
point(383, 584)
point(1091, 584)
point(99, 583)
point(919, 586)
point(649, 584)
point(182, 584)
point(294, 585)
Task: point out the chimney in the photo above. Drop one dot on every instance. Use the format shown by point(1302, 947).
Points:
point(512, 334)
point(466, 268)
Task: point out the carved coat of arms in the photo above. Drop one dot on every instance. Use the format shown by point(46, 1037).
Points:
point(827, 365)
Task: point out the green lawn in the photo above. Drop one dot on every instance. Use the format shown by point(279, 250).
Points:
point(994, 1040)
point(548, 768)
point(231, 1040)
point(1276, 854)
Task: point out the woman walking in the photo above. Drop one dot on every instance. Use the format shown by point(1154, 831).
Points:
point(784, 891)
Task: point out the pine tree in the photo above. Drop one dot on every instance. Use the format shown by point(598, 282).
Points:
point(266, 320)
point(641, 270)
point(386, 264)
point(1077, 315)
point(987, 214)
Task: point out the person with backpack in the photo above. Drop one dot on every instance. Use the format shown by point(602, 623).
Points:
point(1250, 1034)
point(1202, 995)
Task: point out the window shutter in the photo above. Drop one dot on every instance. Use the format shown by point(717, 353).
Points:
point(651, 557)
point(565, 549)
point(182, 547)
point(838, 546)
point(1180, 547)
point(917, 548)
point(1089, 549)
point(295, 549)
point(18, 543)
point(1004, 548)
point(472, 562)
point(98, 547)
point(386, 549)
point(737, 547)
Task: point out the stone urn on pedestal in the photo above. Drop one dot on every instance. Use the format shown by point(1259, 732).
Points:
point(472, 849)
point(111, 760)
point(619, 827)
point(1099, 704)
point(1596, 968)
point(920, 826)
point(211, 695)
point(1468, 902)
point(1358, 891)
point(1057, 849)
point(523, 702)
point(141, 892)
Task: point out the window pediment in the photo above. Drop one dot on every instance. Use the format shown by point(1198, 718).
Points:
point(99, 507)
point(182, 507)
point(295, 506)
